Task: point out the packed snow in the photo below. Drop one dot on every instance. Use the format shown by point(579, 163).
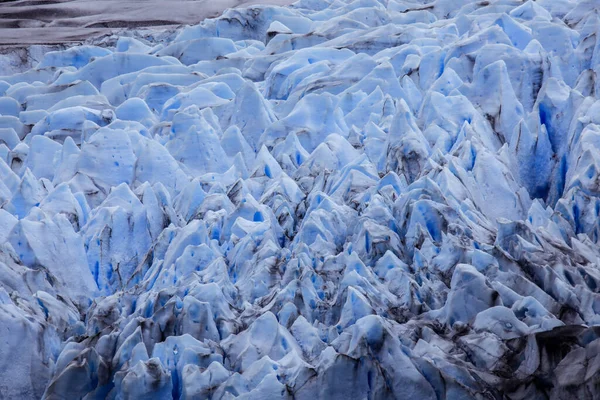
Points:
point(363, 199)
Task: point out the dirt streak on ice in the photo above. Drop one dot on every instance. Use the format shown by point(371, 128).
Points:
point(26, 22)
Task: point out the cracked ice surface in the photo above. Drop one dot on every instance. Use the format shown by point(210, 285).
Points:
point(332, 200)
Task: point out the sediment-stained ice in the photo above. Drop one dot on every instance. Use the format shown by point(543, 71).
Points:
point(332, 200)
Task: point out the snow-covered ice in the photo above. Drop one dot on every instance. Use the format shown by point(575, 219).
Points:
point(337, 199)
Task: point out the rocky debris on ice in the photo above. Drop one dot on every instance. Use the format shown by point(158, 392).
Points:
point(336, 199)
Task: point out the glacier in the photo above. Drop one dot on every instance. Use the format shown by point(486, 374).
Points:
point(336, 199)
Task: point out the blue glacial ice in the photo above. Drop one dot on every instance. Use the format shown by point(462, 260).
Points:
point(338, 199)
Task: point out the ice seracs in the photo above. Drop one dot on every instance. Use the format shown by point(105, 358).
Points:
point(336, 199)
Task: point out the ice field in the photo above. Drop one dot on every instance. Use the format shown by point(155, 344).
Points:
point(336, 199)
